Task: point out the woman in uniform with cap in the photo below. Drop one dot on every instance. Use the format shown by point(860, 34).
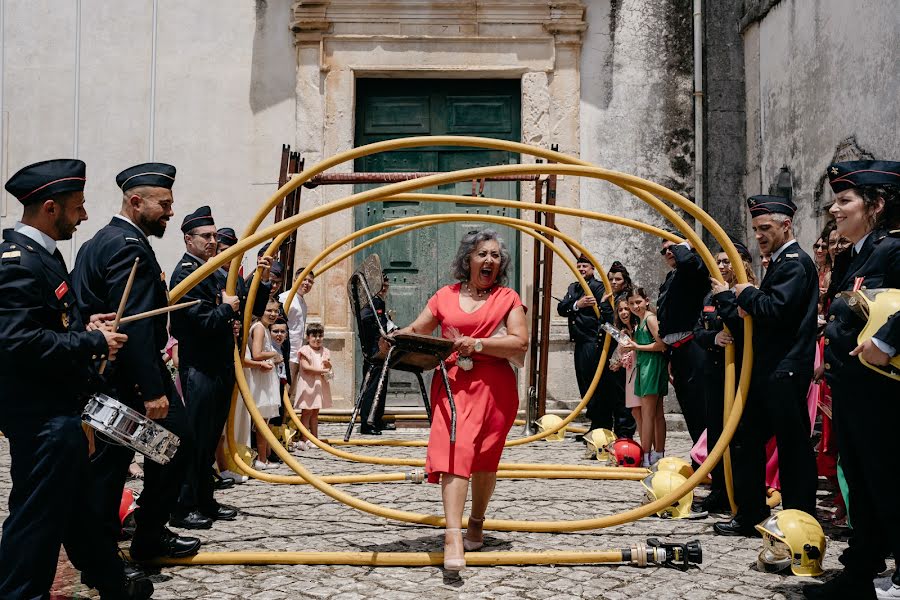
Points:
point(866, 210)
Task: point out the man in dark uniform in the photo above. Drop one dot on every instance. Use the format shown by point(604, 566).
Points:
point(678, 308)
point(48, 360)
point(719, 310)
point(372, 423)
point(139, 377)
point(866, 403)
point(205, 334)
point(608, 402)
point(784, 337)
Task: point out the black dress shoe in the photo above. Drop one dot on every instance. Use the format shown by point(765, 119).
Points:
point(737, 527)
point(715, 502)
point(137, 589)
point(366, 430)
point(166, 545)
point(220, 512)
point(388, 426)
point(193, 520)
point(222, 483)
point(845, 585)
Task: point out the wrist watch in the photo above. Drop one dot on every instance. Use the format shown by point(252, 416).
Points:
point(478, 346)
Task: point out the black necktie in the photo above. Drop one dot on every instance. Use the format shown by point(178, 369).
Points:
point(58, 256)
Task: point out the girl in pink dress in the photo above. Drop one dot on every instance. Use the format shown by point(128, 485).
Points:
point(487, 323)
point(313, 381)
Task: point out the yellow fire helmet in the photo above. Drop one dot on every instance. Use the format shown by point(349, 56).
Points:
point(597, 440)
point(550, 422)
point(876, 306)
point(791, 538)
point(659, 484)
point(674, 464)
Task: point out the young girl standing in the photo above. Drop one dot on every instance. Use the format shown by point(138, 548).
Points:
point(261, 360)
point(313, 385)
point(626, 322)
point(652, 378)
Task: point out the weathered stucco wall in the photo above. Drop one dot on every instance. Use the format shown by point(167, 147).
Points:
point(821, 85)
point(210, 91)
point(636, 117)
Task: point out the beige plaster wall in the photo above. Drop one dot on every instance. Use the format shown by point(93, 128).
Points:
point(115, 84)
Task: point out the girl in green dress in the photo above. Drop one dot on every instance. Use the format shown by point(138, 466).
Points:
point(652, 377)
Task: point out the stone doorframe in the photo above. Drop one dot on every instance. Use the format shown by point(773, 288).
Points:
point(337, 41)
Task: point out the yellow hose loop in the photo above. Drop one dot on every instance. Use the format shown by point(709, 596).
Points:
point(394, 559)
point(521, 225)
point(619, 179)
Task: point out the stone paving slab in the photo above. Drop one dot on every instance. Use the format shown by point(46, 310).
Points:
point(298, 517)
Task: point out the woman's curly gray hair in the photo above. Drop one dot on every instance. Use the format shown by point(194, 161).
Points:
point(459, 268)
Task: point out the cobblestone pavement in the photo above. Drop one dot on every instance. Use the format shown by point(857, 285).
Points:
point(293, 517)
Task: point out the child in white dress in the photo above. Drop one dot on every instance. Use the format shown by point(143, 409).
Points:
point(260, 362)
point(313, 387)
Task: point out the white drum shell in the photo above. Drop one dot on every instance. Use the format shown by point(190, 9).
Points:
point(130, 428)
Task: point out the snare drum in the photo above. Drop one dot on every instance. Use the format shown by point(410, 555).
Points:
point(128, 427)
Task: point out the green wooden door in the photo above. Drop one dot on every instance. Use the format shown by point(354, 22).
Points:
point(418, 263)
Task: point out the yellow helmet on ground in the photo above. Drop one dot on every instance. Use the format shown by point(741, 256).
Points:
point(597, 440)
point(548, 422)
point(674, 464)
point(792, 538)
point(660, 484)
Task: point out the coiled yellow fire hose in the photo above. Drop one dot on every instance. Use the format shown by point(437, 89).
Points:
point(620, 179)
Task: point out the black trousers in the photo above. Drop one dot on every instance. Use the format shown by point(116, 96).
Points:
point(776, 404)
point(606, 408)
point(368, 396)
point(687, 378)
point(714, 397)
point(207, 398)
point(109, 468)
point(866, 414)
point(50, 506)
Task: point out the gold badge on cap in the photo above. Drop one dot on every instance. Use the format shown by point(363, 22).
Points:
point(834, 170)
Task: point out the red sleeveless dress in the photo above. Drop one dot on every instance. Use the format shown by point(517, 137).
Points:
point(486, 397)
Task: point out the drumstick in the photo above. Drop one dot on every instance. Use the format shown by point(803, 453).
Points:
point(157, 311)
point(122, 304)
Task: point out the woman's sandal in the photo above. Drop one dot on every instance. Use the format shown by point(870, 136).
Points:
point(472, 545)
point(456, 563)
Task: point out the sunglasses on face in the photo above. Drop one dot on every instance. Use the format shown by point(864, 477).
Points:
point(664, 250)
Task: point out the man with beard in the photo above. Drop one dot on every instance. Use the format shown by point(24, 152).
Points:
point(139, 377)
point(784, 309)
point(205, 334)
point(41, 325)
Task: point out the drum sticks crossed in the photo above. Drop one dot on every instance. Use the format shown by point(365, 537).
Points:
point(150, 313)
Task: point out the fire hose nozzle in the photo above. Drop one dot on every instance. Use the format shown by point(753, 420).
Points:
point(678, 556)
point(415, 475)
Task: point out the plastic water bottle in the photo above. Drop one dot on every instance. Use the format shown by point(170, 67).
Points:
point(615, 333)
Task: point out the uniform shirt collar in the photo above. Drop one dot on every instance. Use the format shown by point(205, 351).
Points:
point(129, 221)
point(858, 245)
point(46, 242)
point(202, 261)
point(784, 246)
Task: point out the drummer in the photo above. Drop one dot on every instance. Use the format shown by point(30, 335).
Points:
point(866, 209)
point(140, 377)
point(40, 324)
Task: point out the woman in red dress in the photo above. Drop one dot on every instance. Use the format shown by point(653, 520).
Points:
point(487, 323)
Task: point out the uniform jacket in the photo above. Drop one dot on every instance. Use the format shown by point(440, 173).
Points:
point(681, 294)
point(784, 315)
point(100, 274)
point(584, 326)
point(719, 310)
point(370, 332)
point(204, 332)
point(47, 359)
point(878, 263)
